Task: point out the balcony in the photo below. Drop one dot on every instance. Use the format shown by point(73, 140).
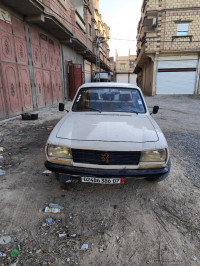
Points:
point(25, 7)
point(34, 12)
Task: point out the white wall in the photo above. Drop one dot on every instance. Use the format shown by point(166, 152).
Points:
point(70, 55)
point(88, 71)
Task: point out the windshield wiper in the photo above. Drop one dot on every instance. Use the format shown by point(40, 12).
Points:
point(134, 112)
point(128, 111)
point(89, 108)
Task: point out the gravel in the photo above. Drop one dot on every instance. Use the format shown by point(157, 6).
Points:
point(137, 223)
point(185, 147)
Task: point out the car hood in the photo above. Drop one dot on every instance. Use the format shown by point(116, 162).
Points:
point(108, 128)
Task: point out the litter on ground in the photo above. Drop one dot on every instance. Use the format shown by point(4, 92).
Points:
point(54, 205)
point(46, 172)
point(84, 246)
point(51, 210)
point(14, 253)
point(2, 172)
point(5, 240)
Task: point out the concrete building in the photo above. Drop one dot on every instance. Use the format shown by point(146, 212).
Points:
point(101, 30)
point(168, 47)
point(47, 49)
point(125, 66)
point(112, 65)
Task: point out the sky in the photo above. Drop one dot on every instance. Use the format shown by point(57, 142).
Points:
point(122, 16)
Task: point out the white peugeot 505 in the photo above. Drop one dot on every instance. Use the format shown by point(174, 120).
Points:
point(107, 136)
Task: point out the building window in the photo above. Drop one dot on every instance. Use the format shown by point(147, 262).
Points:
point(79, 21)
point(182, 29)
point(64, 3)
point(89, 29)
point(122, 67)
point(80, 9)
point(131, 64)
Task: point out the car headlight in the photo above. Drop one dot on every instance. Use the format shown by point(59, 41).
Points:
point(59, 154)
point(153, 159)
point(154, 156)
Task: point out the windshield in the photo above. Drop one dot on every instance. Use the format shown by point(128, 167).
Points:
point(109, 100)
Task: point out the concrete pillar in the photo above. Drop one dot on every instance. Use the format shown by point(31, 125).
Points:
point(155, 66)
point(63, 73)
point(197, 87)
point(30, 64)
point(144, 79)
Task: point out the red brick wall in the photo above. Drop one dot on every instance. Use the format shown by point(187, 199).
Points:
point(78, 33)
point(65, 13)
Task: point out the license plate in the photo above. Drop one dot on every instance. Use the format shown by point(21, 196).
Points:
point(105, 181)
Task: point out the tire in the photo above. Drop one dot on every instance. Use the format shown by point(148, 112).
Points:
point(160, 178)
point(62, 178)
point(57, 176)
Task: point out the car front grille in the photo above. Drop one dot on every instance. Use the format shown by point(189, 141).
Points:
point(106, 158)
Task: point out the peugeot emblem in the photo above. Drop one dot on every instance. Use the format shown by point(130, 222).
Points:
point(105, 157)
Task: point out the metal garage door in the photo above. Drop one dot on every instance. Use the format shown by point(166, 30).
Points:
point(176, 76)
point(46, 64)
point(133, 78)
point(15, 87)
point(122, 78)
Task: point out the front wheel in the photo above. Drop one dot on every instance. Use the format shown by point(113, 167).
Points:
point(62, 178)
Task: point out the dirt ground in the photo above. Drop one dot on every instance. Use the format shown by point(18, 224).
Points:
point(138, 223)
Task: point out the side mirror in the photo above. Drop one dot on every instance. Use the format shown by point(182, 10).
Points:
point(155, 109)
point(61, 107)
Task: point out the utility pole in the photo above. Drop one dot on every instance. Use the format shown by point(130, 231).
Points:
point(99, 41)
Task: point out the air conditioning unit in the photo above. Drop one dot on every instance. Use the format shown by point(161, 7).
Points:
point(154, 22)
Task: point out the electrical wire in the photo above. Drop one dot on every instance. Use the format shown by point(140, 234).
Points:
point(122, 39)
point(158, 41)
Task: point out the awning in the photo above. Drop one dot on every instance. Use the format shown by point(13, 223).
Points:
point(53, 26)
point(90, 56)
point(25, 7)
point(76, 44)
point(104, 66)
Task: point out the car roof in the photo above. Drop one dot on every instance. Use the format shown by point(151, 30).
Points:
point(110, 85)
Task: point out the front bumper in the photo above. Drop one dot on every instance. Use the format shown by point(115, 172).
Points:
point(74, 172)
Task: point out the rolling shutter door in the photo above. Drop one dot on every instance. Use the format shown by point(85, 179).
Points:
point(122, 78)
point(176, 76)
point(133, 78)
